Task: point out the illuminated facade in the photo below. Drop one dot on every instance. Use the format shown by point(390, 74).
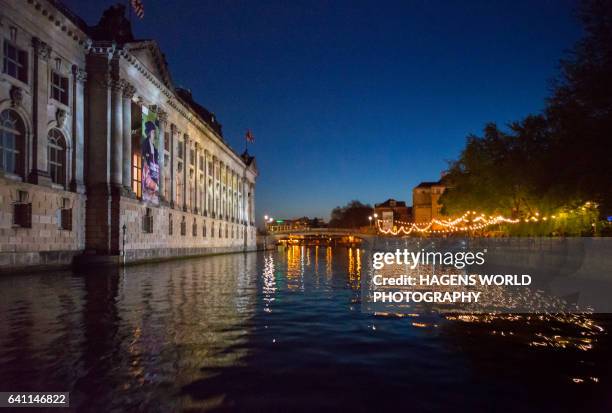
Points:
point(392, 211)
point(102, 158)
point(425, 205)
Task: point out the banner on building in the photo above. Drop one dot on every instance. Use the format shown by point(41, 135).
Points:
point(150, 156)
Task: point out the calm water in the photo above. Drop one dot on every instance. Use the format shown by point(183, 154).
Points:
point(280, 331)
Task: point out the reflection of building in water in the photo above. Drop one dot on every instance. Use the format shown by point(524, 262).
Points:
point(158, 179)
point(295, 267)
point(354, 267)
point(198, 309)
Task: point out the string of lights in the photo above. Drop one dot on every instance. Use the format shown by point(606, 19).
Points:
point(469, 221)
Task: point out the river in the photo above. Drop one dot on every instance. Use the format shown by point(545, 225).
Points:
point(282, 331)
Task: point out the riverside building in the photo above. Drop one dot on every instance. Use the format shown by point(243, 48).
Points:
point(102, 158)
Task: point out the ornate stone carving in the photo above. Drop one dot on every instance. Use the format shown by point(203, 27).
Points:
point(117, 84)
point(79, 74)
point(129, 90)
point(41, 49)
point(16, 94)
point(162, 115)
point(60, 117)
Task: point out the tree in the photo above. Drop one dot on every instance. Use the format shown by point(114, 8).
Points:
point(352, 215)
point(580, 110)
point(558, 160)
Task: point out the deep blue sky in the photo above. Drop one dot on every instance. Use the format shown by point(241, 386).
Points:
point(354, 99)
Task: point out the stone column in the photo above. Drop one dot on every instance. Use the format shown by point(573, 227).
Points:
point(98, 219)
point(39, 172)
point(172, 166)
point(116, 111)
point(126, 176)
point(163, 121)
point(78, 128)
point(215, 192)
point(205, 184)
point(196, 173)
point(185, 167)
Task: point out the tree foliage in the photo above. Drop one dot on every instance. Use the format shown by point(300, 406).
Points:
point(352, 215)
point(554, 160)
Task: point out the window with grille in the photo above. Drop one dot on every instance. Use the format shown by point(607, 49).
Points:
point(56, 156)
point(183, 227)
point(204, 229)
point(12, 143)
point(15, 62)
point(59, 88)
point(194, 228)
point(170, 224)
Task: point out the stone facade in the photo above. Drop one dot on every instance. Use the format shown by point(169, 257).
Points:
point(425, 205)
point(76, 181)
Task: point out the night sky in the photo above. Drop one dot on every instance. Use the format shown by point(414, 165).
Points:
point(352, 99)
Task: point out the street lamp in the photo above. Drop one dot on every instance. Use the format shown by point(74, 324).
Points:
point(375, 215)
point(370, 219)
point(265, 217)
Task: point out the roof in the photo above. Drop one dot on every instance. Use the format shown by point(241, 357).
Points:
point(388, 202)
point(205, 114)
point(114, 26)
point(429, 184)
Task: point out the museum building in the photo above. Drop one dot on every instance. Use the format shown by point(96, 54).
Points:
point(102, 158)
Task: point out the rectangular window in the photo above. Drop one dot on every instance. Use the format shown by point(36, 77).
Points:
point(15, 62)
point(179, 151)
point(191, 157)
point(147, 222)
point(59, 88)
point(66, 223)
point(170, 224)
point(137, 173)
point(167, 141)
point(22, 215)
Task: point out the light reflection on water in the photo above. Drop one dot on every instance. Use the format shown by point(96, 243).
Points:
point(281, 330)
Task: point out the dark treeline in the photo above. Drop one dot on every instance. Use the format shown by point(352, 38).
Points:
point(558, 160)
point(352, 215)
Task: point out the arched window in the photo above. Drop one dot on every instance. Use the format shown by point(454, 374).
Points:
point(12, 143)
point(56, 151)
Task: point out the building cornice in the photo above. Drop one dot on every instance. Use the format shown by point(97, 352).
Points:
point(61, 22)
point(176, 103)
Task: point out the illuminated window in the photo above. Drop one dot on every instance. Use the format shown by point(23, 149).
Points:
point(59, 88)
point(136, 167)
point(56, 152)
point(12, 143)
point(15, 62)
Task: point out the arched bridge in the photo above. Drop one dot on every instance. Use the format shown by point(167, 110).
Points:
point(321, 236)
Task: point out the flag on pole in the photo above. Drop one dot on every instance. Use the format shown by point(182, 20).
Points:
point(138, 8)
point(249, 136)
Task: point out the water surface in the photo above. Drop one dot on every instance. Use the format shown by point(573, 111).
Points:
point(279, 331)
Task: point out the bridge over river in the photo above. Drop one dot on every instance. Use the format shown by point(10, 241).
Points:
point(320, 236)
